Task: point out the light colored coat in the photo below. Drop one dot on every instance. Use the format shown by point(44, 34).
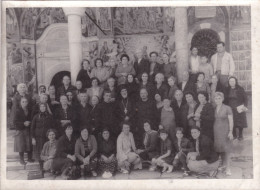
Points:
point(227, 65)
point(125, 145)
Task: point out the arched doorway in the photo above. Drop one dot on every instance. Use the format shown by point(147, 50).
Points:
point(57, 79)
point(206, 40)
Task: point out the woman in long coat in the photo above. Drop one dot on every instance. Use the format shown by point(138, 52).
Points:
point(204, 115)
point(236, 96)
point(41, 123)
point(22, 124)
point(84, 74)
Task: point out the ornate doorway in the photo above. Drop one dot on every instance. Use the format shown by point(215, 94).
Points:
point(57, 79)
point(206, 41)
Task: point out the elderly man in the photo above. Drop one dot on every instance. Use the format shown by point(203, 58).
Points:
point(205, 159)
point(66, 87)
point(223, 64)
point(141, 65)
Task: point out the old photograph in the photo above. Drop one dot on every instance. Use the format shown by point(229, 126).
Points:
point(128, 93)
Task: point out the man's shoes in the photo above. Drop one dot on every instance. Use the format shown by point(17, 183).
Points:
point(22, 162)
point(30, 160)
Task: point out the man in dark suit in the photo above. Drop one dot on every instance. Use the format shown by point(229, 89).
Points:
point(205, 159)
point(66, 87)
point(141, 65)
point(155, 67)
point(187, 85)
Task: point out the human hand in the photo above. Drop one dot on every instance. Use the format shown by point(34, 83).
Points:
point(160, 127)
point(33, 141)
point(26, 123)
point(87, 160)
point(197, 115)
point(73, 158)
point(190, 115)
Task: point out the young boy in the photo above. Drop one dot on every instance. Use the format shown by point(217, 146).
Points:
point(182, 146)
point(166, 155)
point(206, 68)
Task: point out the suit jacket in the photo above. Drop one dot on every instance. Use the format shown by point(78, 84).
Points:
point(177, 111)
point(65, 146)
point(152, 144)
point(143, 66)
point(62, 91)
point(189, 87)
point(206, 149)
point(186, 145)
point(19, 118)
point(162, 91)
point(158, 68)
point(84, 77)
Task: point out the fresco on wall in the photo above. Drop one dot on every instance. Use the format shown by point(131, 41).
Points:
point(29, 67)
point(137, 20)
point(47, 17)
point(28, 22)
point(240, 15)
point(104, 19)
point(169, 18)
point(12, 28)
point(90, 51)
point(88, 27)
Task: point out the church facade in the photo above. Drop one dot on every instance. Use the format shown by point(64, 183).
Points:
point(44, 44)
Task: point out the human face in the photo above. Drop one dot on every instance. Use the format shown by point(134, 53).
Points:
point(202, 99)
point(159, 79)
point(51, 136)
point(144, 77)
point(194, 51)
point(66, 80)
point(79, 85)
point(94, 100)
point(69, 131)
point(153, 57)
point(105, 135)
point(139, 54)
point(165, 58)
point(185, 76)
point(147, 127)
point(52, 90)
point(69, 95)
point(179, 134)
point(83, 97)
point(107, 97)
point(43, 98)
point(126, 129)
point(63, 100)
point(204, 60)
point(124, 61)
point(84, 134)
point(42, 89)
point(218, 100)
point(99, 63)
point(143, 94)
point(130, 78)
point(200, 78)
point(42, 108)
point(171, 82)
point(189, 98)
point(220, 48)
point(214, 79)
point(232, 82)
point(111, 82)
point(22, 88)
point(195, 133)
point(85, 65)
point(178, 95)
point(24, 103)
point(163, 136)
point(166, 103)
point(157, 98)
point(123, 93)
point(94, 83)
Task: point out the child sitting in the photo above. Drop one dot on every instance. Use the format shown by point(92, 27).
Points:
point(182, 146)
point(166, 155)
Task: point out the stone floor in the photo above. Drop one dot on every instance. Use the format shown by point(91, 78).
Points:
point(241, 163)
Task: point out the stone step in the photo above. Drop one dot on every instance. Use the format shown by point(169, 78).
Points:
point(16, 166)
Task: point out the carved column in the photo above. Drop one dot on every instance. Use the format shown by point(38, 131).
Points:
point(181, 40)
point(75, 39)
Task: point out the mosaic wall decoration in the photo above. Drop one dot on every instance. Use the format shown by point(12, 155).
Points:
point(169, 15)
point(137, 20)
point(241, 52)
point(12, 26)
point(240, 15)
point(104, 19)
point(90, 51)
point(48, 17)
point(88, 27)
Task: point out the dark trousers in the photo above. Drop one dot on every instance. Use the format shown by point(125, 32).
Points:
point(240, 132)
point(60, 164)
point(180, 160)
point(21, 154)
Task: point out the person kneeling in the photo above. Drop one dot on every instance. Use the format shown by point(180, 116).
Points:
point(85, 152)
point(183, 146)
point(205, 159)
point(166, 156)
point(126, 150)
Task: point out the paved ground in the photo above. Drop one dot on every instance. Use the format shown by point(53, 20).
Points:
point(242, 163)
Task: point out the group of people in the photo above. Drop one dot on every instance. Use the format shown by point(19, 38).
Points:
point(118, 118)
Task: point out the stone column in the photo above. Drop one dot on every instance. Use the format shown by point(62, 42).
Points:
point(181, 40)
point(75, 39)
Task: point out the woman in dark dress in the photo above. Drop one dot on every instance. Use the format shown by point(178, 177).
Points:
point(235, 97)
point(132, 88)
point(107, 162)
point(43, 99)
point(41, 123)
point(22, 124)
point(204, 115)
point(161, 88)
point(84, 74)
point(65, 153)
point(94, 117)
